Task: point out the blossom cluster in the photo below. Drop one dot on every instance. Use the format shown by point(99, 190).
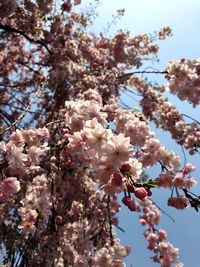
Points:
point(166, 116)
point(184, 80)
point(8, 187)
point(87, 157)
point(114, 161)
point(180, 179)
point(36, 205)
point(24, 150)
point(59, 181)
point(165, 253)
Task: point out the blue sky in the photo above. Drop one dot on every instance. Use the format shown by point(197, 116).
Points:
point(147, 16)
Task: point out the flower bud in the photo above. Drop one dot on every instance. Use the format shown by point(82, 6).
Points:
point(140, 192)
point(117, 179)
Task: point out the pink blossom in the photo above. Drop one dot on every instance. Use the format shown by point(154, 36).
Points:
point(16, 157)
point(126, 167)
point(118, 150)
point(17, 138)
point(179, 202)
point(179, 180)
point(189, 167)
point(103, 171)
point(28, 221)
point(130, 188)
point(10, 186)
point(162, 235)
point(96, 136)
point(54, 73)
point(190, 182)
point(165, 180)
point(77, 141)
point(130, 203)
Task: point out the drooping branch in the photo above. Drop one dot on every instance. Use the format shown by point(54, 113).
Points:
point(187, 116)
point(8, 28)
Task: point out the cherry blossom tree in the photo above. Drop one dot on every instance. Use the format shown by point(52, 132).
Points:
point(68, 146)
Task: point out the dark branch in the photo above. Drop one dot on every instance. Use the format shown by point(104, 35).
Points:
point(31, 69)
point(191, 118)
point(127, 75)
point(31, 40)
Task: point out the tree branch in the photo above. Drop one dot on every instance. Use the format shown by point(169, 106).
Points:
point(31, 40)
point(127, 75)
point(20, 117)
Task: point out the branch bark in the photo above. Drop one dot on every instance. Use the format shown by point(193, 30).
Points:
point(8, 28)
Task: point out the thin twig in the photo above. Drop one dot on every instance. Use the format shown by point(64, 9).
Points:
point(30, 68)
point(24, 112)
point(163, 211)
point(184, 156)
point(52, 122)
point(125, 106)
point(191, 118)
point(121, 229)
point(142, 72)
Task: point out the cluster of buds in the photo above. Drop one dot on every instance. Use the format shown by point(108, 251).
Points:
point(140, 192)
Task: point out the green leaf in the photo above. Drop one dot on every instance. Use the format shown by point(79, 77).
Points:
point(151, 183)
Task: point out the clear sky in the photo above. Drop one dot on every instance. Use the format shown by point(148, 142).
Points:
point(147, 16)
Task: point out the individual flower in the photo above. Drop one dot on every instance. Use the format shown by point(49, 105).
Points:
point(17, 138)
point(9, 186)
point(96, 135)
point(118, 150)
point(15, 156)
point(134, 168)
point(189, 167)
point(28, 221)
point(190, 182)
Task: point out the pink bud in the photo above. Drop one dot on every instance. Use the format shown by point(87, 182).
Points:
point(140, 192)
point(126, 167)
point(126, 200)
point(53, 160)
point(130, 188)
point(130, 203)
point(117, 179)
